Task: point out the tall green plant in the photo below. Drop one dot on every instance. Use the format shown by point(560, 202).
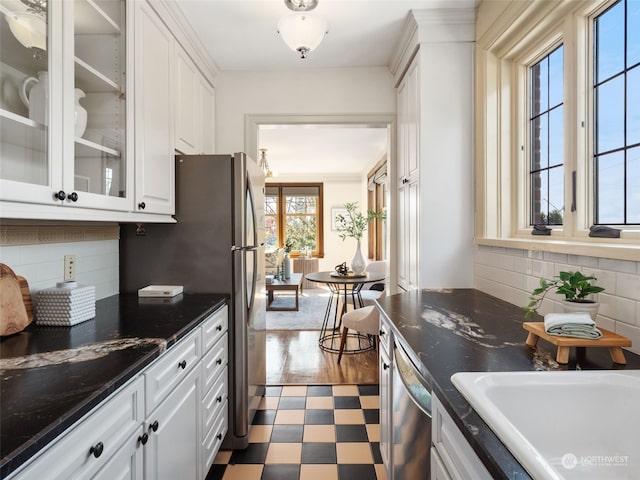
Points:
point(354, 223)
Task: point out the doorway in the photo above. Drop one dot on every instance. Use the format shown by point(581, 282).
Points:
point(293, 356)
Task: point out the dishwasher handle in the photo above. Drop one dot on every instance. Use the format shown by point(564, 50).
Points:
point(414, 379)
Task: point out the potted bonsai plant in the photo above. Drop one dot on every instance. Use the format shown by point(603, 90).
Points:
point(353, 225)
point(575, 286)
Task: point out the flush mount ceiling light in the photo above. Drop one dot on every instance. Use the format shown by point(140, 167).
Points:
point(301, 5)
point(301, 31)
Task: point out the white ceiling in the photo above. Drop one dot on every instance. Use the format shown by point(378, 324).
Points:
point(242, 35)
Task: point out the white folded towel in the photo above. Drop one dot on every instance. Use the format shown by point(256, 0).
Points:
point(577, 324)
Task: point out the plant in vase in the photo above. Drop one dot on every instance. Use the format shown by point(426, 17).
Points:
point(288, 246)
point(353, 225)
point(575, 287)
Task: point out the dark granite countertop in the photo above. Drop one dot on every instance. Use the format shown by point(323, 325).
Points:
point(465, 330)
point(52, 376)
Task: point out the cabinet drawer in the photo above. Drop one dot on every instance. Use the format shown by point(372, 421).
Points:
point(167, 371)
point(213, 401)
point(385, 336)
point(101, 433)
point(214, 327)
point(213, 440)
point(214, 362)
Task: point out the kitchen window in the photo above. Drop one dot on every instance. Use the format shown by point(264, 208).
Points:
point(558, 132)
point(546, 172)
point(616, 98)
point(293, 211)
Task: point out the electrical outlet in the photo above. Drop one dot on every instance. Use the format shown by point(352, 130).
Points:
point(69, 268)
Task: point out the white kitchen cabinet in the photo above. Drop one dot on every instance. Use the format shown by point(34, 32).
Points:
point(166, 423)
point(194, 120)
point(215, 392)
point(385, 411)
point(154, 113)
point(127, 463)
point(62, 143)
point(95, 441)
point(207, 116)
point(408, 100)
point(454, 457)
point(172, 450)
point(187, 120)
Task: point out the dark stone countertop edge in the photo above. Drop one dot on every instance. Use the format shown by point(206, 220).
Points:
point(11, 462)
point(498, 470)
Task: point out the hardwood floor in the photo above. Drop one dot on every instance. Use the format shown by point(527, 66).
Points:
point(294, 357)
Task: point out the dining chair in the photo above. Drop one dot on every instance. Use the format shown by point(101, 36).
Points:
point(364, 320)
point(372, 291)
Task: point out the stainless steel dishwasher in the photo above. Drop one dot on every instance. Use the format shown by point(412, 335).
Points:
point(411, 421)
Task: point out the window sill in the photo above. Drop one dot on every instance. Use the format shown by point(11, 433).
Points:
point(594, 248)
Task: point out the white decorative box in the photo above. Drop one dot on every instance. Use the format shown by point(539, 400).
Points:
point(65, 305)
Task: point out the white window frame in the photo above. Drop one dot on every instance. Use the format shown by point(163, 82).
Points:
point(522, 34)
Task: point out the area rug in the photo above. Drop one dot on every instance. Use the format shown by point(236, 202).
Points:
point(312, 305)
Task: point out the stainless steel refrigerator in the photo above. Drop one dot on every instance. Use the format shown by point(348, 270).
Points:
point(216, 246)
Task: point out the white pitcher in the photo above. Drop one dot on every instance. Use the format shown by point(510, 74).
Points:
point(37, 101)
point(80, 114)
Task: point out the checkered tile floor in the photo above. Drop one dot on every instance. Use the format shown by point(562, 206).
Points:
point(309, 433)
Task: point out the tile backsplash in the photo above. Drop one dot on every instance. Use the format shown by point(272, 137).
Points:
point(97, 264)
point(511, 274)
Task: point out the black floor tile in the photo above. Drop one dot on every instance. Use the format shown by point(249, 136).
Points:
point(254, 453)
point(371, 415)
point(273, 391)
point(216, 472)
point(264, 417)
point(318, 417)
point(375, 451)
point(346, 402)
point(368, 390)
point(360, 472)
point(319, 453)
point(292, 403)
point(281, 472)
point(287, 433)
point(351, 433)
point(319, 391)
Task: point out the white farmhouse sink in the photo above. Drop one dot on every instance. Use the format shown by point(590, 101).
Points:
point(569, 424)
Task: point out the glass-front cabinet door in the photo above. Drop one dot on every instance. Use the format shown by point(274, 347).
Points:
point(26, 112)
point(63, 103)
point(99, 98)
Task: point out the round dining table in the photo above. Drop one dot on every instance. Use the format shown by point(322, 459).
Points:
point(344, 286)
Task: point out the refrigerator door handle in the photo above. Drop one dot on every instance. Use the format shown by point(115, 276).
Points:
point(248, 248)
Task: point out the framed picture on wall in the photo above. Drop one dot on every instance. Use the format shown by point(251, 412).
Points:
point(334, 216)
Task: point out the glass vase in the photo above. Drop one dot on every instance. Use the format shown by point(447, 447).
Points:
point(357, 263)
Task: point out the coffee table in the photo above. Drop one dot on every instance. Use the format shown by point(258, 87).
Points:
point(294, 284)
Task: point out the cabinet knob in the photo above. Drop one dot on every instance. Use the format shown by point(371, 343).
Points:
point(96, 450)
point(60, 195)
point(219, 361)
point(219, 399)
point(219, 436)
point(382, 333)
point(73, 196)
point(143, 439)
point(154, 426)
point(141, 205)
point(385, 366)
point(183, 364)
point(219, 328)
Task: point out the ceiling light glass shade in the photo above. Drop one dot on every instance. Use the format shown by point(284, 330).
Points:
point(28, 28)
point(302, 32)
point(301, 5)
